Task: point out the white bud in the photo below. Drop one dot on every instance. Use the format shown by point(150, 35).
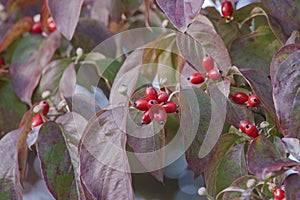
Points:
point(264, 124)
point(164, 24)
point(61, 104)
point(2, 8)
point(79, 52)
point(202, 191)
point(37, 18)
point(46, 94)
point(250, 183)
point(123, 89)
point(37, 108)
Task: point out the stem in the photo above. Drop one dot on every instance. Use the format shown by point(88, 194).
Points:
point(172, 94)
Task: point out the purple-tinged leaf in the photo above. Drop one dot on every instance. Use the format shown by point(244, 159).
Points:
point(180, 12)
point(16, 30)
point(286, 95)
point(55, 161)
point(65, 15)
point(292, 187)
point(231, 189)
point(232, 166)
point(261, 86)
point(279, 146)
point(292, 145)
point(10, 186)
point(286, 12)
point(219, 94)
point(203, 40)
point(28, 62)
point(236, 113)
point(224, 146)
point(242, 184)
point(68, 81)
point(13, 5)
point(280, 56)
point(104, 164)
point(195, 107)
point(258, 47)
point(294, 38)
point(263, 158)
point(73, 126)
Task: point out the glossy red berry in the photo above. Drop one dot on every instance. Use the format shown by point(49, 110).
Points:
point(253, 100)
point(170, 107)
point(162, 97)
point(2, 61)
point(45, 106)
point(152, 103)
point(36, 28)
point(214, 74)
point(37, 120)
point(141, 104)
point(196, 78)
point(227, 9)
point(239, 97)
point(146, 119)
point(248, 128)
point(208, 63)
point(278, 194)
point(151, 93)
point(158, 114)
point(51, 26)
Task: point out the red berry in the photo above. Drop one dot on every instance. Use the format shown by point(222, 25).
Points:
point(158, 114)
point(253, 100)
point(45, 106)
point(37, 120)
point(51, 26)
point(196, 78)
point(162, 97)
point(248, 128)
point(208, 63)
point(146, 119)
point(151, 93)
point(2, 61)
point(141, 104)
point(152, 103)
point(170, 107)
point(227, 9)
point(36, 28)
point(239, 97)
point(214, 74)
point(279, 194)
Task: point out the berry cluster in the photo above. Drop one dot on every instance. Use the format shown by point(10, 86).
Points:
point(155, 106)
point(37, 26)
point(38, 118)
point(208, 66)
point(242, 98)
point(227, 10)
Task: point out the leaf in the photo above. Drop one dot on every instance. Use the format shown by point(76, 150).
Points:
point(10, 186)
point(257, 49)
point(181, 13)
point(73, 126)
point(285, 12)
point(286, 95)
point(32, 136)
point(224, 146)
point(232, 166)
point(292, 145)
point(13, 5)
point(68, 81)
point(262, 87)
point(11, 108)
point(292, 187)
point(231, 189)
point(29, 60)
point(16, 30)
point(203, 40)
point(263, 158)
point(104, 165)
point(55, 161)
point(294, 38)
point(65, 15)
point(219, 94)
